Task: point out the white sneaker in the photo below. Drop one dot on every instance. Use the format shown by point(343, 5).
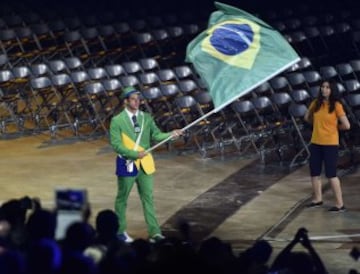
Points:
point(156, 238)
point(125, 237)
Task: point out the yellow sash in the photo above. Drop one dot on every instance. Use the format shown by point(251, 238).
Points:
point(147, 163)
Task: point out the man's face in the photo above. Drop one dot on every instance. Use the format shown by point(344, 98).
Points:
point(133, 102)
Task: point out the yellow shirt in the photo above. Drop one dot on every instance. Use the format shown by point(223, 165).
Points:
point(325, 124)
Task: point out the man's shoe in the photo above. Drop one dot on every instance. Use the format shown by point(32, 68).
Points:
point(337, 209)
point(125, 237)
point(314, 204)
point(156, 238)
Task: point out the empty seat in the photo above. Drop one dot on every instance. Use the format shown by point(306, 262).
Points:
point(352, 86)
point(345, 71)
point(167, 75)
point(149, 79)
point(280, 83)
point(355, 64)
point(97, 73)
point(58, 66)
point(149, 64)
point(300, 142)
point(312, 77)
point(300, 96)
point(74, 63)
point(297, 80)
point(115, 70)
point(264, 89)
point(132, 67)
point(328, 72)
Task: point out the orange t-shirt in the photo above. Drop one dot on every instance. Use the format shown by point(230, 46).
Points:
point(325, 124)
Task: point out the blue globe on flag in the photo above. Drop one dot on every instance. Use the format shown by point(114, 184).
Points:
point(232, 39)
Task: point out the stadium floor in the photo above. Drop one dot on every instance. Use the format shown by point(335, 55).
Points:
point(235, 198)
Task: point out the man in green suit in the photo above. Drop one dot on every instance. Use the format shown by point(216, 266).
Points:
point(131, 133)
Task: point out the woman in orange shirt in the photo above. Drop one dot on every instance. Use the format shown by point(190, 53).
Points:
point(327, 115)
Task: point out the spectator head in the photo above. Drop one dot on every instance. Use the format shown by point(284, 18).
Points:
point(44, 256)
point(14, 211)
point(261, 252)
point(79, 236)
point(41, 224)
point(107, 222)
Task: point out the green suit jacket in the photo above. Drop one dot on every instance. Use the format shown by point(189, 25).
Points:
point(123, 138)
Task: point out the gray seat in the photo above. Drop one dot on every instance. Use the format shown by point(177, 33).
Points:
point(22, 72)
point(151, 93)
point(355, 64)
point(9, 100)
point(297, 80)
point(282, 100)
point(132, 67)
point(112, 84)
point(29, 43)
point(280, 83)
point(74, 63)
point(166, 75)
point(314, 91)
point(11, 46)
point(66, 94)
point(305, 63)
point(97, 73)
point(353, 101)
point(312, 77)
point(352, 86)
point(188, 86)
point(169, 90)
point(79, 77)
point(43, 93)
point(58, 66)
point(248, 135)
point(149, 79)
point(22, 76)
point(115, 70)
point(328, 73)
point(4, 61)
point(114, 89)
point(264, 89)
point(130, 81)
point(149, 64)
point(99, 53)
point(300, 41)
point(148, 45)
point(345, 71)
point(40, 69)
point(300, 96)
point(101, 107)
point(184, 72)
point(186, 112)
point(302, 153)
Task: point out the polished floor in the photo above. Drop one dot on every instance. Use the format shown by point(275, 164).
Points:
point(236, 198)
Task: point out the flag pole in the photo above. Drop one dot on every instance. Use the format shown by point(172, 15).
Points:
point(183, 129)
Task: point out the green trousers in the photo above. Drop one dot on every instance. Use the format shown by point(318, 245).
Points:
point(144, 184)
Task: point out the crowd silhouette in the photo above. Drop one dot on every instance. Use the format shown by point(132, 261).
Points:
point(28, 246)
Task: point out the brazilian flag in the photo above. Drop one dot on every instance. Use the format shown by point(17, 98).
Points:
point(237, 53)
